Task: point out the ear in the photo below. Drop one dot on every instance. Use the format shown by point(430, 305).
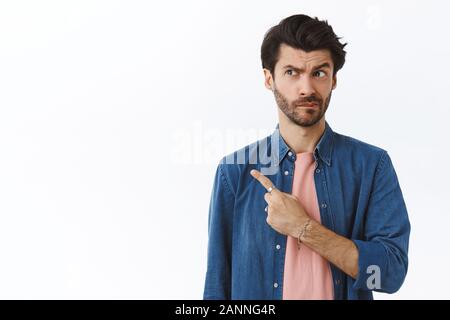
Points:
point(268, 79)
point(334, 82)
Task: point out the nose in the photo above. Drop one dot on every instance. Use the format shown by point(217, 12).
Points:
point(305, 87)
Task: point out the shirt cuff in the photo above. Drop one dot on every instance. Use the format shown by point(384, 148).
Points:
point(372, 259)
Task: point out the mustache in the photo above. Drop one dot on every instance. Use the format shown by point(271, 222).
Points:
point(309, 99)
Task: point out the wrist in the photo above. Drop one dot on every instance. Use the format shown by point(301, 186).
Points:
point(297, 227)
point(302, 232)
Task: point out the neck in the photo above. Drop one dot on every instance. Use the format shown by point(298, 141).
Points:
point(300, 139)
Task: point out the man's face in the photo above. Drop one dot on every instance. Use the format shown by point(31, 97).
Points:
point(302, 84)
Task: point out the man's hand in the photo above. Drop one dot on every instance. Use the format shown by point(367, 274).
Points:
point(284, 212)
point(287, 216)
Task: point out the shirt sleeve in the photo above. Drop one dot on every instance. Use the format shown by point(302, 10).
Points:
point(220, 222)
point(383, 254)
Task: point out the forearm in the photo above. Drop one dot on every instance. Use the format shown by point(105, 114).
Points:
point(338, 250)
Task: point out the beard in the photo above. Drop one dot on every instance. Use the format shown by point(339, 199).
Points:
point(293, 112)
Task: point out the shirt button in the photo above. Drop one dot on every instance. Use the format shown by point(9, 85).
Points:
point(286, 173)
point(278, 247)
point(290, 154)
point(317, 170)
point(324, 205)
point(275, 285)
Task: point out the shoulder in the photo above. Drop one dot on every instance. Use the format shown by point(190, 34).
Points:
point(237, 164)
point(350, 147)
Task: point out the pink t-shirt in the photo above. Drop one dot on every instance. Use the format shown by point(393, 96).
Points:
point(306, 274)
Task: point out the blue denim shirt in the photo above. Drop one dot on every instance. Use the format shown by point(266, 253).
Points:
point(359, 197)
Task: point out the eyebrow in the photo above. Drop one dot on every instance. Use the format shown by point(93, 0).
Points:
point(320, 66)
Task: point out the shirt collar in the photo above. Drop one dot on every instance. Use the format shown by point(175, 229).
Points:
point(323, 148)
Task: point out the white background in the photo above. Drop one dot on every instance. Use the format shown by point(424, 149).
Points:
point(114, 114)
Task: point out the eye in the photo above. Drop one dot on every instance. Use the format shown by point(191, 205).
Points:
point(319, 73)
point(289, 72)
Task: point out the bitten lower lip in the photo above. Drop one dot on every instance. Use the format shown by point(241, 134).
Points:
point(307, 105)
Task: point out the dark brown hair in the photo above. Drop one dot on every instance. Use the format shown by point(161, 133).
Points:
point(301, 32)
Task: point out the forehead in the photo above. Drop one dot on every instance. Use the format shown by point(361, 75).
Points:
point(300, 58)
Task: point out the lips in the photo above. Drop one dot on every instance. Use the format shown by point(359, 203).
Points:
point(308, 105)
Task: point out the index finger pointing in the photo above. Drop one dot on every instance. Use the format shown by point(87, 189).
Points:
point(266, 183)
